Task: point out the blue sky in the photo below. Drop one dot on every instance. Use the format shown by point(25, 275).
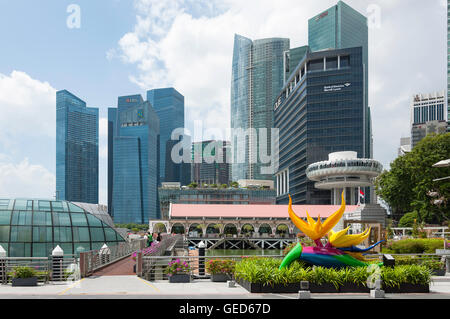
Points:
point(129, 46)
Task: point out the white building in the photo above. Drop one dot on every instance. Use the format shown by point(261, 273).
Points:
point(428, 115)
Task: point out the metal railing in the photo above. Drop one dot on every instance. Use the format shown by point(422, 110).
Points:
point(47, 270)
point(93, 260)
point(155, 267)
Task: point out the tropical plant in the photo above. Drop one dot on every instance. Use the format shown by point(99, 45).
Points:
point(23, 272)
point(413, 246)
point(220, 266)
point(177, 267)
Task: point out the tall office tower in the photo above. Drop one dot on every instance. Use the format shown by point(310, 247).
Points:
point(209, 162)
point(427, 116)
point(124, 102)
point(342, 27)
point(320, 110)
point(292, 58)
point(257, 78)
point(76, 149)
point(169, 105)
point(448, 65)
point(178, 171)
point(135, 161)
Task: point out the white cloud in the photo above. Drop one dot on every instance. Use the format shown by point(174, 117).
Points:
point(26, 180)
point(27, 107)
point(188, 45)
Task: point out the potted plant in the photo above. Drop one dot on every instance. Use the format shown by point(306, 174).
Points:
point(178, 271)
point(24, 276)
point(437, 267)
point(220, 270)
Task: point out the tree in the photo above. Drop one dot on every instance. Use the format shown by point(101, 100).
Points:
point(409, 183)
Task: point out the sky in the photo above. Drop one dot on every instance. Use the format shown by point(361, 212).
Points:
point(102, 49)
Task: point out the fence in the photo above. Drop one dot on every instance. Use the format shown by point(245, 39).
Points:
point(47, 269)
point(155, 267)
point(93, 260)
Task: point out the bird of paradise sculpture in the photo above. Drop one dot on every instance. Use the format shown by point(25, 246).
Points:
point(340, 251)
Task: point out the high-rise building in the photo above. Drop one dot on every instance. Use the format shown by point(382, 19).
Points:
point(292, 58)
point(320, 110)
point(257, 78)
point(76, 149)
point(448, 65)
point(209, 162)
point(427, 115)
point(135, 164)
point(342, 27)
point(168, 103)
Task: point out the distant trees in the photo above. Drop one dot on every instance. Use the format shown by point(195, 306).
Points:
point(408, 188)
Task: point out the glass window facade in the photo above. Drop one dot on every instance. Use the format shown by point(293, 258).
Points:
point(323, 114)
point(76, 150)
point(168, 103)
point(38, 230)
point(135, 161)
point(257, 77)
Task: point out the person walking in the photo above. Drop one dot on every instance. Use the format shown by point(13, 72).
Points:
point(149, 239)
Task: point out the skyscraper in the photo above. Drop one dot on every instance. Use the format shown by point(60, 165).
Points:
point(342, 27)
point(320, 110)
point(448, 65)
point(209, 162)
point(76, 149)
point(168, 103)
point(427, 116)
point(257, 78)
point(135, 164)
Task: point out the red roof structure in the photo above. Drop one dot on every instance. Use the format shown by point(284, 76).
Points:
point(252, 211)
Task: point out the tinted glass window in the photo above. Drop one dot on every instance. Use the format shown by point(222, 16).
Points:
point(78, 220)
point(97, 234)
point(5, 217)
point(4, 233)
point(75, 209)
point(20, 233)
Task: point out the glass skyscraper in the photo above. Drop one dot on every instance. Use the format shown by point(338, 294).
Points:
point(320, 110)
point(134, 171)
point(76, 149)
point(257, 78)
point(168, 103)
point(448, 65)
point(342, 27)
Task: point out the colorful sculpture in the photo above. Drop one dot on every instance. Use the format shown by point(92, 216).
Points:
point(340, 251)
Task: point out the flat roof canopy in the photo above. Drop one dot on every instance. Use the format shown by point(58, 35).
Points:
point(252, 211)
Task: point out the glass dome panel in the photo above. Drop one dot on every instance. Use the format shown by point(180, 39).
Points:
point(75, 209)
point(62, 234)
point(81, 234)
point(93, 221)
point(43, 205)
point(5, 204)
point(4, 233)
point(57, 206)
point(61, 219)
point(110, 234)
point(5, 217)
point(21, 234)
point(97, 234)
point(78, 219)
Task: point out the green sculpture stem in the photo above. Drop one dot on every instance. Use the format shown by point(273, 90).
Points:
point(293, 255)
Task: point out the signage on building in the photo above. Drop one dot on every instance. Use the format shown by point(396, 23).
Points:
point(323, 15)
point(131, 100)
point(335, 88)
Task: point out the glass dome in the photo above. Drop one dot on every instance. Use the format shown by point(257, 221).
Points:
point(34, 227)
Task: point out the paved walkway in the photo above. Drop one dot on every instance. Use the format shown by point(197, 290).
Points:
point(135, 287)
point(123, 267)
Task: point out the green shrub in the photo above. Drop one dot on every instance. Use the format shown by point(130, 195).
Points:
point(23, 272)
point(413, 246)
point(220, 266)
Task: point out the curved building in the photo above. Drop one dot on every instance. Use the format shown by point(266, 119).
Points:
point(344, 171)
point(34, 227)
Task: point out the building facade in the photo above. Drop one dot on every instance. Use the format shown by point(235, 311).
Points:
point(76, 149)
point(34, 227)
point(342, 27)
point(257, 78)
point(168, 104)
point(320, 110)
point(427, 115)
point(209, 162)
point(230, 196)
point(135, 161)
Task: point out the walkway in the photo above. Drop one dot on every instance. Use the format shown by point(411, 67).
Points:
point(123, 267)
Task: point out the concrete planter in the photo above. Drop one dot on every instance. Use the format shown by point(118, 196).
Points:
point(220, 277)
point(353, 288)
point(180, 278)
point(24, 282)
point(324, 288)
point(407, 288)
point(438, 272)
